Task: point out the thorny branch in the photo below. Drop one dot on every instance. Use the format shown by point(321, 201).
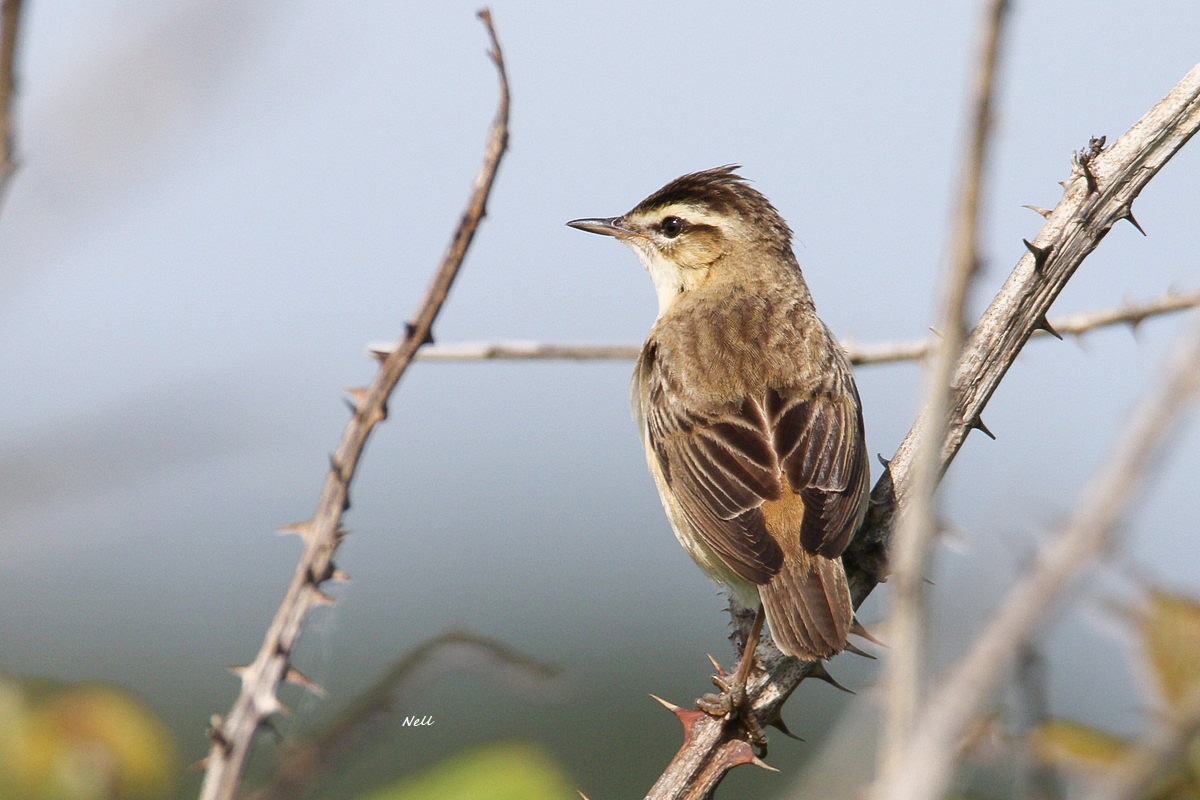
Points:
point(1132, 314)
point(232, 735)
point(1099, 194)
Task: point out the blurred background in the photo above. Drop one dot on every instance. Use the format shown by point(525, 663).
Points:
point(218, 205)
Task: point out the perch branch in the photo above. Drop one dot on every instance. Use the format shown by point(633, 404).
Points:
point(1086, 212)
point(1132, 313)
point(232, 735)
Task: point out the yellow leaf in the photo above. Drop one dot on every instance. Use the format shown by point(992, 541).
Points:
point(1171, 630)
point(1076, 746)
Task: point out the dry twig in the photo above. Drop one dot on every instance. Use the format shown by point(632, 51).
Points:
point(1133, 314)
point(1099, 195)
point(232, 735)
point(913, 541)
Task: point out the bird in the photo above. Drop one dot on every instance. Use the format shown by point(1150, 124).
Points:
point(748, 410)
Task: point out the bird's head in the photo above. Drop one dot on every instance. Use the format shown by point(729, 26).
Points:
point(697, 227)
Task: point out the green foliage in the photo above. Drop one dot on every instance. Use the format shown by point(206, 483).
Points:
point(500, 771)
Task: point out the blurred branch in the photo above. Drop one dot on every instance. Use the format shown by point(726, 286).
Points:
point(304, 763)
point(904, 670)
point(1132, 313)
point(10, 23)
point(1089, 532)
point(232, 735)
point(1099, 194)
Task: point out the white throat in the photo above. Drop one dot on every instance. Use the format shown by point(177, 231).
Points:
point(666, 274)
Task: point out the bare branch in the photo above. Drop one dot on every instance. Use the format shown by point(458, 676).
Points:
point(1132, 313)
point(10, 22)
point(904, 669)
point(1072, 230)
point(232, 736)
point(1088, 533)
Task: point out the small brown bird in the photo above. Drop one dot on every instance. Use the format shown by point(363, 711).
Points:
point(747, 407)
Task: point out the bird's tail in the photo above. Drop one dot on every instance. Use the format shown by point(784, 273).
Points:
point(808, 606)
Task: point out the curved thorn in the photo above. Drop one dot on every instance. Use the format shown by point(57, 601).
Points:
point(858, 651)
point(978, 425)
point(858, 629)
point(779, 724)
point(758, 762)
point(667, 704)
point(1040, 254)
point(1129, 216)
point(1044, 324)
point(819, 672)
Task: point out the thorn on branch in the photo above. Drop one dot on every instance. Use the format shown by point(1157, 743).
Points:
point(336, 468)
point(1045, 212)
point(858, 629)
point(356, 396)
point(667, 704)
point(977, 424)
point(1133, 221)
point(410, 331)
point(1040, 254)
point(1043, 324)
point(819, 672)
point(216, 732)
point(298, 678)
point(317, 579)
point(301, 529)
point(858, 651)
point(778, 723)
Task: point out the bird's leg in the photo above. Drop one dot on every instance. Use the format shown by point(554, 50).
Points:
point(732, 701)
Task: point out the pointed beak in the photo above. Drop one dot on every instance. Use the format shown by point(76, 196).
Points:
point(612, 226)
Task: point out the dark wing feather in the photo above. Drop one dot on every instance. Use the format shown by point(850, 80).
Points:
point(820, 440)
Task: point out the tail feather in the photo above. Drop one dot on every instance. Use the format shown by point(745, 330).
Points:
point(808, 606)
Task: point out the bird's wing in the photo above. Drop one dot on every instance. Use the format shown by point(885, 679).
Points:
point(724, 463)
point(819, 440)
point(721, 466)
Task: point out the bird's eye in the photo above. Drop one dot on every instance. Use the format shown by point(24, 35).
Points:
point(672, 227)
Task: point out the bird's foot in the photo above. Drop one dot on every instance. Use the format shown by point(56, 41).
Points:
point(733, 705)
